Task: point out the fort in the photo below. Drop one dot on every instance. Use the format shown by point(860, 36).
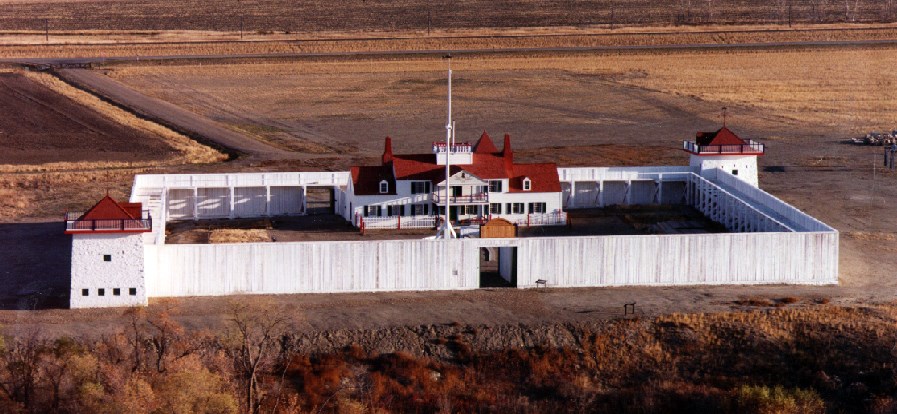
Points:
point(120, 256)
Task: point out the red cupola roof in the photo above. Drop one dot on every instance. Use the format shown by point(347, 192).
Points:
point(109, 216)
point(722, 142)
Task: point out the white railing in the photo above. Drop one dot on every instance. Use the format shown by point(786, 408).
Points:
point(751, 147)
point(558, 218)
point(439, 147)
point(397, 222)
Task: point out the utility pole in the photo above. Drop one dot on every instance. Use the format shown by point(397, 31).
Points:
point(429, 22)
point(790, 2)
point(47, 30)
point(241, 25)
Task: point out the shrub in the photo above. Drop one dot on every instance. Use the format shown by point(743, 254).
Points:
point(778, 400)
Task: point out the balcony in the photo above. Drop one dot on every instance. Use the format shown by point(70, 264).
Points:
point(478, 198)
point(75, 226)
point(751, 148)
point(440, 147)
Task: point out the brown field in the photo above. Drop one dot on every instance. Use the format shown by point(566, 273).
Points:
point(39, 126)
point(319, 15)
point(77, 45)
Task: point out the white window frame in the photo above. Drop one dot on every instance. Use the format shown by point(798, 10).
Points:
point(496, 184)
point(495, 208)
point(518, 208)
point(384, 186)
point(527, 184)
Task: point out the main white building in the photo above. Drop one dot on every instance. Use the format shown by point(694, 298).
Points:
point(120, 258)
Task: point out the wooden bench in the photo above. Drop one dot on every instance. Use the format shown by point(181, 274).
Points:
point(628, 308)
point(541, 283)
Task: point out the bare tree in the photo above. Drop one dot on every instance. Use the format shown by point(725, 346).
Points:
point(256, 332)
point(20, 361)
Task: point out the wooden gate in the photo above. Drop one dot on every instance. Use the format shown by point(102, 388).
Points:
point(498, 229)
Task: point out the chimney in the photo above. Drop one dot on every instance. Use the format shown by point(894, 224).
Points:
point(387, 151)
point(507, 153)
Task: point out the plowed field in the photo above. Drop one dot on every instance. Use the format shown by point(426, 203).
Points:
point(39, 125)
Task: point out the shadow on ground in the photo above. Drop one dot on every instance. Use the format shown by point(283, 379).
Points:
point(35, 263)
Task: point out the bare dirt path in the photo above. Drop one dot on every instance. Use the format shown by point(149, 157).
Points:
point(171, 115)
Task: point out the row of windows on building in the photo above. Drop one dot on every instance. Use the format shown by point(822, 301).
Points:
point(423, 187)
point(115, 292)
point(473, 209)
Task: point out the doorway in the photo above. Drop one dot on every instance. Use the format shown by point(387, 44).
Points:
point(498, 267)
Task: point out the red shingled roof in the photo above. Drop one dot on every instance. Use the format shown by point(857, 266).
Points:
point(488, 164)
point(109, 209)
point(723, 136)
point(366, 180)
point(484, 145)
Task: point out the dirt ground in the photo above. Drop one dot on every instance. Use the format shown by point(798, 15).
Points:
point(38, 125)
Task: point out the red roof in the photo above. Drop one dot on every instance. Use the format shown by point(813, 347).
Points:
point(723, 136)
point(484, 145)
point(488, 164)
point(109, 209)
point(366, 180)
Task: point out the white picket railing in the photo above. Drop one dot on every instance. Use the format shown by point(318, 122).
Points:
point(558, 218)
point(398, 222)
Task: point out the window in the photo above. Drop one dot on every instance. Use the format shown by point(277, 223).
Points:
point(495, 186)
point(384, 187)
point(527, 184)
point(390, 210)
point(474, 210)
point(495, 208)
point(734, 172)
point(116, 292)
point(107, 257)
point(101, 292)
point(419, 209)
point(420, 187)
point(373, 211)
point(132, 291)
point(537, 207)
point(517, 208)
point(456, 191)
point(85, 292)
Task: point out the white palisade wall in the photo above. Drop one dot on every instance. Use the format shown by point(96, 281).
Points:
point(123, 272)
point(305, 267)
point(325, 267)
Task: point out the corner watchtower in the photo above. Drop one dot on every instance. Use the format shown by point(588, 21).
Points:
point(725, 150)
point(107, 254)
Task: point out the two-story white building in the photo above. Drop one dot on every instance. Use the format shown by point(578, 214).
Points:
point(485, 183)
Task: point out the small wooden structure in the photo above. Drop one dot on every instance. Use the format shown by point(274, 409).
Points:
point(498, 228)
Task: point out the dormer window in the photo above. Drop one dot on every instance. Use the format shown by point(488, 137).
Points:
point(384, 187)
point(527, 184)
